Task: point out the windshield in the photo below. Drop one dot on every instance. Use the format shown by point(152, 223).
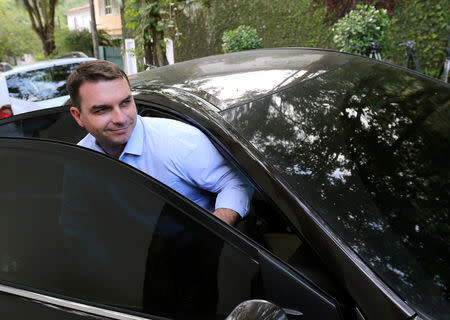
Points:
point(365, 146)
point(41, 84)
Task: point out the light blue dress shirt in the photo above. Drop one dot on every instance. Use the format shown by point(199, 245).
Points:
point(182, 157)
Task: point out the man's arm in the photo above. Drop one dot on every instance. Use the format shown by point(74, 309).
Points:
point(210, 171)
point(227, 215)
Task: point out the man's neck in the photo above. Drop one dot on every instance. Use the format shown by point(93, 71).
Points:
point(113, 152)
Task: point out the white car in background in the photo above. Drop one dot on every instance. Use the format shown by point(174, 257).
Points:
point(4, 66)
point(37, 86)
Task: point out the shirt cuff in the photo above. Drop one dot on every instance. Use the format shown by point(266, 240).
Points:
point(236, 199)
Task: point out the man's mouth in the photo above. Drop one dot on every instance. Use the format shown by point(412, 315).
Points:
point(121, 130)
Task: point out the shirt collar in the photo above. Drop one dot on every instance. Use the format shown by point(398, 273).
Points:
point(135, 144)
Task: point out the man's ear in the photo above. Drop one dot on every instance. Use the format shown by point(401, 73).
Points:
point(75, 112)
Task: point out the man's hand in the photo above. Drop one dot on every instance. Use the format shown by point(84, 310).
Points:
point(227, 215)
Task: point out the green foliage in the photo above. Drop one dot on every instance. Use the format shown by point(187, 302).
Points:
point(70, 40)
point(301, 23)
point(147, 17)
point(426, 22)
point(64, 5)
point(280, 23)
point(354, 32)
point(16, 35)
point(240, 39)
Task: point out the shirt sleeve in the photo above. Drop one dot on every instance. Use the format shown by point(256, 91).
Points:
point(207, 169)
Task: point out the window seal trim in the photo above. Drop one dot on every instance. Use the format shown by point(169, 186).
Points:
point(68, 304)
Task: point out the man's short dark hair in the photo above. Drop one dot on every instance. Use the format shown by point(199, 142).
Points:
point(91, 71)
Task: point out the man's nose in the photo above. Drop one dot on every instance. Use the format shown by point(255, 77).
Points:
point(118, 115)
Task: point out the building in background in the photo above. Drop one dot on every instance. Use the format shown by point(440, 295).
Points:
point(79, 18)
point(107, 16)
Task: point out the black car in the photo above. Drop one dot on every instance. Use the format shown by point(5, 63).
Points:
point(349, 219)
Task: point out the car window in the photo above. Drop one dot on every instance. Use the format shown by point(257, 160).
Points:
point(364, 145)
point(41, 84)
point(55, 124)
point(79, 224)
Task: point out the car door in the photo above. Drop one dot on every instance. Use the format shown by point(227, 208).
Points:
point(85, 234)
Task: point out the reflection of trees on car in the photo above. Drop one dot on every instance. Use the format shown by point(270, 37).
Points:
point(365, 149)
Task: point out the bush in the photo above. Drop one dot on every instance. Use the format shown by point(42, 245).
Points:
point(426, 22)
point(354, 32)
point(280, 23)
point(240, 39)
point(69, 40)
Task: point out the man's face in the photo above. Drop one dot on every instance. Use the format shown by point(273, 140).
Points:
point(108, 112)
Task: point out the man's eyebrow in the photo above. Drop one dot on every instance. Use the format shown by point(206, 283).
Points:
point(100, 106)
point(103, 106)
point(127, 98)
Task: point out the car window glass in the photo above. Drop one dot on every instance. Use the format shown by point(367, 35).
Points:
point(364, 146)
point(41, 84)
point(79, 224)
point(49, 124)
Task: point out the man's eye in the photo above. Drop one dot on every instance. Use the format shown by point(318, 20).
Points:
point(126, 102)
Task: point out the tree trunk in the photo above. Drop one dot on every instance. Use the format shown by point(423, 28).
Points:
point(48, 46)
point(94, 31)
point(155, 52)
point(148, 53)
point(159, 50)
point(42, 16)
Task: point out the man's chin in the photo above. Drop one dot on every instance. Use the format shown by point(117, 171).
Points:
point(113, 143)
point(118, 138)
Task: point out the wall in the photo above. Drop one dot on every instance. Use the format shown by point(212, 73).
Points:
point(79, 20)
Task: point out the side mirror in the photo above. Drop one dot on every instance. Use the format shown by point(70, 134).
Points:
point(257, 310)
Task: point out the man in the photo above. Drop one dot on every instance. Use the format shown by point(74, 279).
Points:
point(175, 153)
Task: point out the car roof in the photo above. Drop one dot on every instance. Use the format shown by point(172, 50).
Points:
point(45, 64)
point(232, 79)
point(227, 80)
